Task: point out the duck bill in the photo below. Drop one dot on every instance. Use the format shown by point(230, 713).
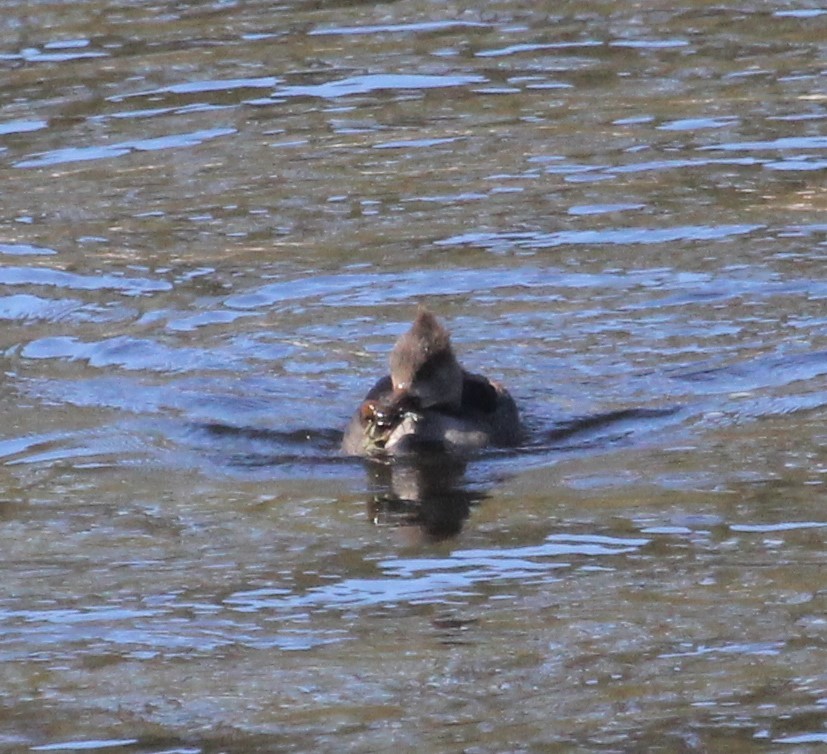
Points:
point(382, 418)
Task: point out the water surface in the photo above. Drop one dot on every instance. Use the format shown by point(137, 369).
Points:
point(217, 218)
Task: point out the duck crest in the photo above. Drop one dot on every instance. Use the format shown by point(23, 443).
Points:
point(426, 341)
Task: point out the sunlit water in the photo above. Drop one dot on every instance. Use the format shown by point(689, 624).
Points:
point(216, 219)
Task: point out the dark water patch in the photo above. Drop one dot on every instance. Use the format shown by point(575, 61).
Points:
point(606, 427)
point(318, 445)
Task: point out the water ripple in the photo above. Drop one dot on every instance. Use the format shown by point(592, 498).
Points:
point(784, 142)
point(376, 82)
point(108, 151)
point(437, 579)
point(55, 52)
point(21, 126)
point(25, 249)
point(202, 86)
point(128, 353)
point(75, 281)
point(23, 307)
point(414, 27)
point(501, 241)
point(91, 744)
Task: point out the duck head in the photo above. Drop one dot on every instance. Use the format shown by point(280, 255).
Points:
point(425, 372)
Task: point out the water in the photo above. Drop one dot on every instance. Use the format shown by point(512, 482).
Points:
point(216, 219)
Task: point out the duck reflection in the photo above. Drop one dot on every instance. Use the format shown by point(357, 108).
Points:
point(425, 492)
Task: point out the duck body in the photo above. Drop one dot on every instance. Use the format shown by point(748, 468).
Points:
point(428, 403)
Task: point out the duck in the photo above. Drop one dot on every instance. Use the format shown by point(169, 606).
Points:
point(429, 403)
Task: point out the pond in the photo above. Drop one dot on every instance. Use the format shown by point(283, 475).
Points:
point(218, 217)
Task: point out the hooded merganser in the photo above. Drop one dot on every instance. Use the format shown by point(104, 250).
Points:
point(429, 402)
